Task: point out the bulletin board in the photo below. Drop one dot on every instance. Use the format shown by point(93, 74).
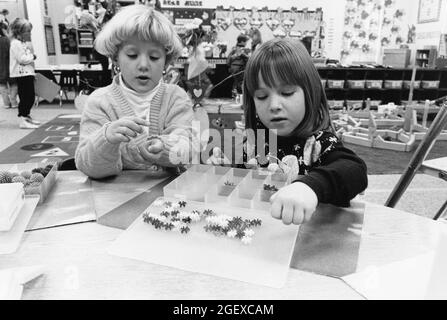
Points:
point(68, 40)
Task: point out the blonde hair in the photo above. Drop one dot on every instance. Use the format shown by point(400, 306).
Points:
point(19, 26)
point(141, 21)
point(286, 61)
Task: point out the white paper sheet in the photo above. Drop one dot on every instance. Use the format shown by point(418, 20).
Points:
point(10, 240)
point(265, 261)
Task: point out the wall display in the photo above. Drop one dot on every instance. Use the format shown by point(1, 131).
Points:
point(68, 40)
point(370, 26)
point(180, 17)
point(49, 39)
point(282, 23)
point(429, 10)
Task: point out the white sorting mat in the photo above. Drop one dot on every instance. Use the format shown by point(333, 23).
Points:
point(265, 261)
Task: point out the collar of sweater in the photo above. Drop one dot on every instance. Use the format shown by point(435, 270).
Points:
point(127, 110)
point(134, 97)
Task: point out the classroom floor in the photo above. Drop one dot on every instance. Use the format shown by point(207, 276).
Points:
point(424, 196)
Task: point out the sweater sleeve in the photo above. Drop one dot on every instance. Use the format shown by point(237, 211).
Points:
point(18, 52)
point(180, 135)
point(95, 156)
point(340, 176)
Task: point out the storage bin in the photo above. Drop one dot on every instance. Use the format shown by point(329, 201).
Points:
point(374, 84)
point(356, 84)
point(416, 84)
point(430, 84)
point(393, 84)
point(336, 84)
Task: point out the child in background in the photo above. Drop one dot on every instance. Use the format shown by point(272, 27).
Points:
point(283, 94)
point(137, 122)
point(21, 69)
point(8, 89)
point(237, 59)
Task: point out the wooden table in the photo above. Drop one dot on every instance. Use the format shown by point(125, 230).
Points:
point(79, 267)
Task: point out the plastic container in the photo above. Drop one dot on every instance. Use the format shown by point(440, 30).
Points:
point(373, 84)
point(335, 84)
point(393, 84)
point(13, 198)
point(356, 84)
point(45, 186)
point(430, 84)
point(407, 84)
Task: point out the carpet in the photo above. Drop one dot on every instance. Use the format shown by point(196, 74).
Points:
point(55, 140)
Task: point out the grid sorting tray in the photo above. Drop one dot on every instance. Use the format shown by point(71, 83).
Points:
point(228, 186)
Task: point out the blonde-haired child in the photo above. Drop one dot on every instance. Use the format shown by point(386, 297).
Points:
point(137, 122)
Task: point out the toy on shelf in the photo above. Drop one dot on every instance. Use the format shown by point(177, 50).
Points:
point(391, 127)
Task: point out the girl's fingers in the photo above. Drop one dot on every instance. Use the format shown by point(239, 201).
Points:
point(287, 213)
point(121, 137)
point(126, 131)
point(135, 124)
point(298, 216)
point(276, 210)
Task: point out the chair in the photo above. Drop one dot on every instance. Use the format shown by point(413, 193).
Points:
point(68, 82)
point(90, 80)
point(417, 160)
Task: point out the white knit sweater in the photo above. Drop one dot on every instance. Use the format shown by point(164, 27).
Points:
point(171, 117)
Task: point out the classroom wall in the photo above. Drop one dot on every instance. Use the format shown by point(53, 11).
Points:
point(15, 8)
point(332, 16)
point(56, 10)
point(428, 34)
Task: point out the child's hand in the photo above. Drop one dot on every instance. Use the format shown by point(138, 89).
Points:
point(150, 150)
point(294, 203)
point(123, 129)
point(218, 158)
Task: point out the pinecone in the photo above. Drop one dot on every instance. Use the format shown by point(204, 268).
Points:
point(25, 174)
point(19, 179)
point(37, 177)
point(5, 177)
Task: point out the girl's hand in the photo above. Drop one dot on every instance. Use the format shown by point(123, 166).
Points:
point(123, 129)
point(150, 150)
point(294, 203)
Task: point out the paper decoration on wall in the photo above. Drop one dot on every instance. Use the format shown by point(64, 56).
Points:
point(240, 23)
point(366, 48)
point(224, 23)
point(363, 21)
point(256, 23)
point(288, 24)
point(272, 24)
point(395, 29)
point(398, 14)
point(279, 33)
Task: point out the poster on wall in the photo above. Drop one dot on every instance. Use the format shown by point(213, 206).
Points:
point(180, 17)
point(68, 41)
point(429, 10)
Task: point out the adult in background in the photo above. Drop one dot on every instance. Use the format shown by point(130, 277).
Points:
point(21, 68)
point(8, 89)
point(3, 15)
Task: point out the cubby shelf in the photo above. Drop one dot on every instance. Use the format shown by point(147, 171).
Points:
point(430, 84)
